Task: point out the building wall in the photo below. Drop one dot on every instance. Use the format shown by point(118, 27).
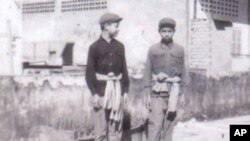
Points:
point(10, 38)
point(138, 30)
point(221, 52)
point(224, 10)
point(241, 62)
point(208, 52)
point(200, 44)
point(229, 52)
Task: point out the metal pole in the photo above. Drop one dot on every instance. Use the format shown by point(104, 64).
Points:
point(187, 35)
point(10, 47)
point(195, 9)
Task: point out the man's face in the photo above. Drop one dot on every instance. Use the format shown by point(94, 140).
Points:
point(112, 29)
point(167, 33)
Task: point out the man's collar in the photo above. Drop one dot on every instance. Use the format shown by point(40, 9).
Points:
point(169, 44)
point(102, 39)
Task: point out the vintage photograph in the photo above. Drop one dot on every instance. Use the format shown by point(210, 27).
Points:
point(124, 70)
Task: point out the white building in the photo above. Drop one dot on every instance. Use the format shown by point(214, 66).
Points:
point(219, 36)
point(62, 21)
point(10, 37)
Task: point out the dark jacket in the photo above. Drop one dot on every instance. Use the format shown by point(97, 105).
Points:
point(103, 58)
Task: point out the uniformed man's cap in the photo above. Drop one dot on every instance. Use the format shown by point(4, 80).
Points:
point(109, 18)
point(167, 22)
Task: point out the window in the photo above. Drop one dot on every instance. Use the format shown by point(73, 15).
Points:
point(39, 7)
point(230, 8)
point(83, 5)
point(236, 42)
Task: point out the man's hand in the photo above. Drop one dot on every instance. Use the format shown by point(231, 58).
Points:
point(95, 101)
point(171, 116)
point(125, 98)
point(147, 100)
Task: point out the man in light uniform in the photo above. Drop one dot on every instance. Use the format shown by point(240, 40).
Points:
point(163, 77)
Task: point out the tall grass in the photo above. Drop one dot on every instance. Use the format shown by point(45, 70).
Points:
point(24, 107)
point(210, 98)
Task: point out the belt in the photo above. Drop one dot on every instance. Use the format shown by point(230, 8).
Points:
point(112, 95)
point(157, 95)
point(173, 93)
point(160, 94)
point(159, 86)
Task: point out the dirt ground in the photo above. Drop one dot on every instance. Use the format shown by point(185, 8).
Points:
point(192, 130)
point(217, 130)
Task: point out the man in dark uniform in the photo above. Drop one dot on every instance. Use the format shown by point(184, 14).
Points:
point(163, 77)
point(107, 79)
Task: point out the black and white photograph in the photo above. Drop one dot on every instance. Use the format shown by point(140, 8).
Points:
point(124, 70)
